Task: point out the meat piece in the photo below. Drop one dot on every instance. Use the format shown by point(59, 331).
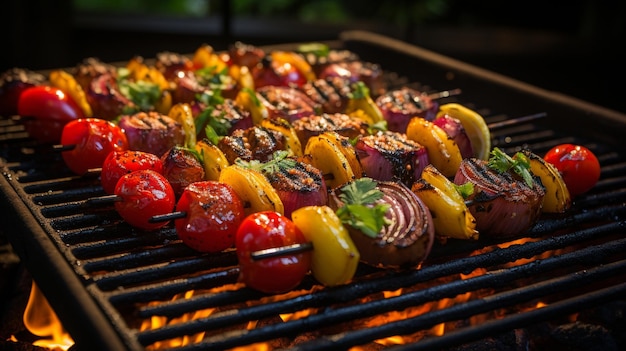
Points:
point(256, 143)
point(170, 63)
point(91, 68)
point(502, 204)
point(400, 105)
point(12, 83)
point(319, 63)
point(224, 118)
point(105, 98)
point(152, 132)
point(390, 156)
point(298, 185)
point(340, 123)
point(288, 103)
point(331, 93)
point(247, 55)
point(181, 168)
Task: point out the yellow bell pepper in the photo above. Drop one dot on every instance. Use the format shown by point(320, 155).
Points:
point(67, 83)
point(182, 114)
point(250, 102)
point(443, 152)
point(557, 198)
point(474, 125)
point(335, 257)
point(283, 126)
point(361, 105)
point(451, 216)
point(254, 190)
point(205, 57)
point(337, 161)
point(213, 160)
point(295, 60)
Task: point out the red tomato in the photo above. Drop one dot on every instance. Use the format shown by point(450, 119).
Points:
point(46, 110)
point(144, 194)
point(214, 212)
point(93, 140)
point(579, 167)
point(266, 230)
point(121, 162)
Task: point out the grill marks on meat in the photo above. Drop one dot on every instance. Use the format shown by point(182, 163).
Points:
point(231, 116)
point(89, 69)
point(256, 143)
point(390, 156)
point(152, 132)
point(502, 204)
point(331, 93)
point(181, 168)
point(340, 123)
point(400, 105)
point(290, 104)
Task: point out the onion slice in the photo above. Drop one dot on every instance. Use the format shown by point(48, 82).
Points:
point(407, 237)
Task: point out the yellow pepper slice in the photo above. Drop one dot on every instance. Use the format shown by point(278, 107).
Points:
point(283, 126)
point(248, 99)
point(335, 257)
point(67, 83)
point(451, 216)
point(361, 105)
point(295, 60)
point(474, 125)
point(182, 114)
point(213, 160)
point(443, 152)
point(254, 190)
point(327, 156)
point(205, 57)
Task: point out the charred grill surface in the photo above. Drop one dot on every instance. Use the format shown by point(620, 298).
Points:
point(117, 278)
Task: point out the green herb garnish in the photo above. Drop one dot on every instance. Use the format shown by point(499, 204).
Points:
point(280, 163)
point(520, 164)
point(465, 190)
point(360, 209)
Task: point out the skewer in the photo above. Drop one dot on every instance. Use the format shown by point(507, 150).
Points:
point(168, 217)
point(103, 200)
point(444, 94)
point(519, 120)
point(282, 250)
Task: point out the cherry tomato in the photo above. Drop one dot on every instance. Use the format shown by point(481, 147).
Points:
point(578, 165)
point(120, 162)
point(266, 230)
point(93, 139)
point(46, 110)
point(214, 213)
point(144, 194)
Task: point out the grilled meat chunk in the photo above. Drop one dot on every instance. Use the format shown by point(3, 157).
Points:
point(400, 105)
point(255, 143)
point(331, 93)
point(181, 168)
point(502, 204)
point(288, 103)
point(152, 132)
point(340, 123)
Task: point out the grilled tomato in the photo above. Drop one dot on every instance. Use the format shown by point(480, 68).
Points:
point(270, 230)
point(578, 166)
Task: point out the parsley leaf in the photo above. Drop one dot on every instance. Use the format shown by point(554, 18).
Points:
point(280, 163)
point(520, 164)
point(360, 209)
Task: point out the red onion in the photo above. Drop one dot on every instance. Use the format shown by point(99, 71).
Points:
point(408, 237)
point(401, 105)
point(105, 98)
point(390, 156)
point(454, 128)
point(502, 204)
point(152, 132)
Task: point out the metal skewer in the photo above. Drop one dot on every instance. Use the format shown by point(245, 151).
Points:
point(282, 250)
point(509, 122)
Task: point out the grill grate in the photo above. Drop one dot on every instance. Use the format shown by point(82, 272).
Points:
point(119, 277)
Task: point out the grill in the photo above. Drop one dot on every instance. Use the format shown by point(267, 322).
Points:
point(104, 279)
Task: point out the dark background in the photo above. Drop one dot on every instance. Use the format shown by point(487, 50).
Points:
point(576, 49)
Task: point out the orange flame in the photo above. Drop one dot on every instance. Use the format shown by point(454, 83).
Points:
point(41, 320)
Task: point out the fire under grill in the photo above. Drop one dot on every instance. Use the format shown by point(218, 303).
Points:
point(116, 288)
